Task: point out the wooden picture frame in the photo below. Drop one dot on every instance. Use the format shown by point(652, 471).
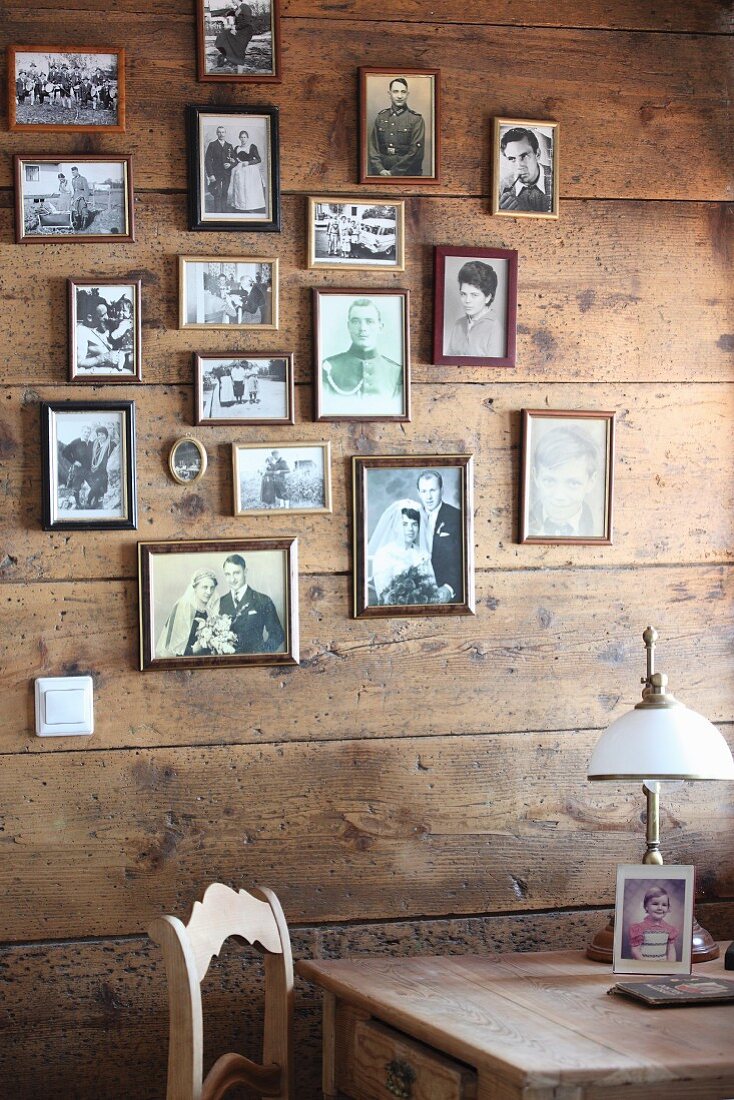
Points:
point(526, 170)
point(200, 607)
point(115, 340)
point(69, 86)
point(413, 523)
point(653, 925)
point(90, 213)
point(475, 306)
point(222, 289)
point(261, 393)
point(187, 460)
point(356, 234)
point(562, 497)
point(234, 183)
point(362, 354)
point(405, 145)
point(88, 472)
point(273, 478)
point(259, 67)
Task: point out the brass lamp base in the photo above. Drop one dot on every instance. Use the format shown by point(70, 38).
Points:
point(601, 948)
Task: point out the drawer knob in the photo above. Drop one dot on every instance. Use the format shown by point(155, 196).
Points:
point(399, 1079)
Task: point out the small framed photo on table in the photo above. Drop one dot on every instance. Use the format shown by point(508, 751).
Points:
point(295, 477)
point(400, 126)
point(475, 314)
point(105, 330)
point(362, 351)
point(238, 43)
point(218, 603)
point(228, 292)
point(413, 535)
point(88, 452)
point(653, 919)
point(567, 476)
point(244, 389)
point(77, 89)
point(356, 234)
point(234, 178)
point(79, 198)
point(525, 170)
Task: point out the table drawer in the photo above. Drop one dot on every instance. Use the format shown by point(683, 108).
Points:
point(378, 1063)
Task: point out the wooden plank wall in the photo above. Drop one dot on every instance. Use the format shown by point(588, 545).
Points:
point(413, 786)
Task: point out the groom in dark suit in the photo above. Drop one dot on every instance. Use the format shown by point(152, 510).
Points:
point(218, 162)
point(444, 536)
point(255, 621)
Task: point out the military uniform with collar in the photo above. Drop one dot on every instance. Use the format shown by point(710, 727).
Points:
point(354, 373)
point(397, 143)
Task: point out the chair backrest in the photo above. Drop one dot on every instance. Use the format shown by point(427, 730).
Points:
point(188, 950)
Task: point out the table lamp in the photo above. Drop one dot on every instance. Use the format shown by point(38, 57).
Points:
point(659, 741)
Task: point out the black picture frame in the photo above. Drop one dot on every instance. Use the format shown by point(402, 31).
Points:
point(66, 493)
point(201, 219)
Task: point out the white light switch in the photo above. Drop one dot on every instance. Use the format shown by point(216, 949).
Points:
point(64, 706)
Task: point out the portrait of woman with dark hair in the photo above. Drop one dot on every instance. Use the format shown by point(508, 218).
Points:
point(475, 333)
point(476, 306)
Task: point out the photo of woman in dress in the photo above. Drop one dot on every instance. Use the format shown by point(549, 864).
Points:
point(199, 603)
point(401, 571)
point(246, 189)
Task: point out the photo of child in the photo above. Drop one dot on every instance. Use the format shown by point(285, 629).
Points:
point(653, 937)
point(653, 920)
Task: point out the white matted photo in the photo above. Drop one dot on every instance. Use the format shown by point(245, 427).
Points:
point(216, 292)
point(104, 330)
point(253, 389)
point(356, 234)
point(476, 306)
point(56, 88)
point(362, 351)
point(567, 476)
point(653, 924)
point(525, 182)
point(286, 476)
point(218, 602)
point(399, 125)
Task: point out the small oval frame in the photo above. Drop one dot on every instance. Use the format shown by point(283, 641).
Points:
point(202, 456)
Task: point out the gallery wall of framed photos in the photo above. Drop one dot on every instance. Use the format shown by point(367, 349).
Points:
point(417, 779)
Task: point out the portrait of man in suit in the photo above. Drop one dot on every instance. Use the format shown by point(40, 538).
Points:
point(255, 621)
point(444, 536)
point(219, 159)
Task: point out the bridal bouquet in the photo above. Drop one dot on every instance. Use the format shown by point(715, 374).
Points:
point(411, 586)
point(215, 634)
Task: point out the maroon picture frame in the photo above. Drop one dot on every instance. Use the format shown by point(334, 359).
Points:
point(509, 255)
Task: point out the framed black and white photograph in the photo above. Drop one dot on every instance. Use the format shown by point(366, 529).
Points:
point(82, 198)
point(187, 460)
point(234, 168)
point(228, 292)
point(653, 919)
point(244, 389)
point(294, 477)
point(88, 450)
point(60, 88)
point(475, 311)
point(218, 603)
point(400, 125)
point(238, 43)
point(525, 168)
point(567, 476)
point(362, 352)
point(413, 535)
point(105, 330)
point(356, 234)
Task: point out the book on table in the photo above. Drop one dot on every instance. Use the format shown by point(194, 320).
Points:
point(660, 992)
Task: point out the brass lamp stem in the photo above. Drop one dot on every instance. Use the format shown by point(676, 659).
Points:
point(652, 833)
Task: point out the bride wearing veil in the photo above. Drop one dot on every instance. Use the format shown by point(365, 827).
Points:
point(198, 603)
point(399, 564)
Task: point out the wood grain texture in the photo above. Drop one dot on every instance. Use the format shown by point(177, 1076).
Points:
point(671, 441)
point(629, 105)
point(600, 294)
point(342, 830)
point(547, 649)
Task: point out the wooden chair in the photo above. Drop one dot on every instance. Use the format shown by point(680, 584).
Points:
point(188, 950)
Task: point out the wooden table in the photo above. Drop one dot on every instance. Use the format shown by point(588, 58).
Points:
point(536, 1026)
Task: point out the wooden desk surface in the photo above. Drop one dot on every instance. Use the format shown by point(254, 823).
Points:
point(543, 1021)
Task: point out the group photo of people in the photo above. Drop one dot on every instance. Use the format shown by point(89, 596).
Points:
point(236, 389)
point(66, 89)
point(104, 331)
point(348, 234)
point(88, 466)
point(217, 292)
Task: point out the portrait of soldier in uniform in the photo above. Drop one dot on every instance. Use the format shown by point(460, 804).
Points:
point(399, 125)
point(362, 355)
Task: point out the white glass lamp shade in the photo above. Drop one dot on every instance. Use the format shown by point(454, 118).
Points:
point(666, 743)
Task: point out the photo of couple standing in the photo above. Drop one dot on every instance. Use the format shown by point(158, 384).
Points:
point(415, 533)
point(236, 164)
